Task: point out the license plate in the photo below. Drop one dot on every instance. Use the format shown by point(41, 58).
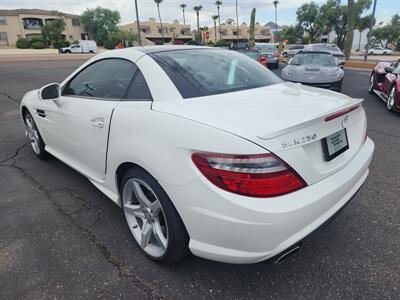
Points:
point(335, 144)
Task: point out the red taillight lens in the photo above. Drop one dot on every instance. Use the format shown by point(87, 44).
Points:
point(276, 54)
point(262, 175)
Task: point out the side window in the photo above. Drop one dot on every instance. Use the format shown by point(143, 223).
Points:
point(107, 79)
point(139, 89)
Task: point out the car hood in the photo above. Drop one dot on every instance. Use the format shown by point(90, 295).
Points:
point(311, 74)
point(263, 112)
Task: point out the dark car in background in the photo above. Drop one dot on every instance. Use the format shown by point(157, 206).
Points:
point(330, 48)
point(254, 54)
point(269, 51)
point(385, 82)
point(318, 69)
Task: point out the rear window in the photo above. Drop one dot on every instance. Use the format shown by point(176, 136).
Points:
point(204, 72)
point(252, 54)
point(325, 48)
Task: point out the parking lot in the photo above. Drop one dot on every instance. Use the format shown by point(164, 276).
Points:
point(62, 238)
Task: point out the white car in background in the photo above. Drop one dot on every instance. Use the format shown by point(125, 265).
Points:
point(84, 46)
point(292, 50)
point(204, 149)
point(380, 51)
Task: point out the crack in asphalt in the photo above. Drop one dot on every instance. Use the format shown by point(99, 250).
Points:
point(101, 246)
point(13, 156)
point(9, 97)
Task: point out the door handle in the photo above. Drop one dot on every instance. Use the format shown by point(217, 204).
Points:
point(97, 122)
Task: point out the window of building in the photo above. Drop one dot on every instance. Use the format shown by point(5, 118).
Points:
point(235, 33)
point(3, 36)
point(2, 20)
point(264, 33)
point(76, 22)
point(32, 23)
point(223, 32)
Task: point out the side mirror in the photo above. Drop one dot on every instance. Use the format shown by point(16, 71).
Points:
point(50, 91)
point(388, 69)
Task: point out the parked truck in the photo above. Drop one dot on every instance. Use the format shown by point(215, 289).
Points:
point(84, 46)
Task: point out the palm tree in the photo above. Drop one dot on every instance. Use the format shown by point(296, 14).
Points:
point(158, 2)
point(275, 3)
point(218, 4)
point(215, 17)
point(197, 9)
point(183, 6)
point(230, 21)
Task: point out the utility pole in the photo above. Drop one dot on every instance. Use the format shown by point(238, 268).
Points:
point(276, 17)
point(237, 24)
point(139, 39)
point(371, 24)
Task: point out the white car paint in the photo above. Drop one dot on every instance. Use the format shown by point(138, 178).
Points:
point(160, 136)
point(380, 51)
point(84, 46)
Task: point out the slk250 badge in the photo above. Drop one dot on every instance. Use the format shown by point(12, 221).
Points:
point(300, 141)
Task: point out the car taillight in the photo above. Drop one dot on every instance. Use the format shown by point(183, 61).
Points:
point(261, 175)
point(276, 54)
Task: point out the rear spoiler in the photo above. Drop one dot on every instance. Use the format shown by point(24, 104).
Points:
point(325, 117)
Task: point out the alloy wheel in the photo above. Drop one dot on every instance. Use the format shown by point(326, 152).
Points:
point(33, 134)
point(391, 98)
point(371, 84)
point(145, 217)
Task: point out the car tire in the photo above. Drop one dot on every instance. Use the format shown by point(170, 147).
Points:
point(34, 137)
point(153, 220)
point(67, 51)
point(371, 84)
point(276, 65)
point(391, 100)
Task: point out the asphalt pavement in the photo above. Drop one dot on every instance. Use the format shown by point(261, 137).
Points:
point(62, 238)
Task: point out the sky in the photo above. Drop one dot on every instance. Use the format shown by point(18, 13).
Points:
point(170, 9)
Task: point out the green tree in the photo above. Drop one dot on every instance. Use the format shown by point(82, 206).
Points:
point(197, 9)
point(388, 34)
point(215, 18)
point(310, 19)
point(100, 22)
point(183, 6)
point(158, 2)
point(52, 32)
point(218, 4)
point(252, 26)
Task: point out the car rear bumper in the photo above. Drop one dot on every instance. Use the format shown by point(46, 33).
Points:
point(234, 229)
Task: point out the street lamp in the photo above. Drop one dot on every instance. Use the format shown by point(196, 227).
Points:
point(138, 25)
point(276, 17)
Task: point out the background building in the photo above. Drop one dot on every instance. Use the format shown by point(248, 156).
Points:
point(229, 33)
point(29, 22)
point(151, 31)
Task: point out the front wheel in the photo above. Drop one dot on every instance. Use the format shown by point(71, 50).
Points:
point(371, 85)
point(391, 100)
point(34, 137)
point(152, 218)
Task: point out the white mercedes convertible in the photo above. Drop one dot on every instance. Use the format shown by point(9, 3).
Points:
point(205, 150)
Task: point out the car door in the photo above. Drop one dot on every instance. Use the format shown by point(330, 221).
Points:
point(76, 49)
point(390, 79)
point(78, 123)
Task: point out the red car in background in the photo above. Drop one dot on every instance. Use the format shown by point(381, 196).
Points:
point(385, 82)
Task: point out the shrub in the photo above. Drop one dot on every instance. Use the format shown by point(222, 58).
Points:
point(75, 42)
point(65, 43)
point(23, 43)
point(57, 44)
point(109, 44)
point(37, 38)
point(38, 45)
point(192, 42)
point(221, 43)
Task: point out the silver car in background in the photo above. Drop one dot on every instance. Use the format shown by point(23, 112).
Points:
point(292, 51)
point(319, 69)
point(330, 48)
point(269, 51)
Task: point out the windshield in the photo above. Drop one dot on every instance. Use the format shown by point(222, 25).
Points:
point(204, 72)
point(252, 54)
point(313, 59)
point(268, 48)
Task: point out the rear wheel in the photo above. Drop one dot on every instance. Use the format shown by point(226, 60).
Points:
point(152, 219)
point(371, 85)
point(34, 137)
point(391, 100)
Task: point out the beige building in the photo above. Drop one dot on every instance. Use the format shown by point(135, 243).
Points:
point(29, 22)
point(229, 33)
point(151, 31)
